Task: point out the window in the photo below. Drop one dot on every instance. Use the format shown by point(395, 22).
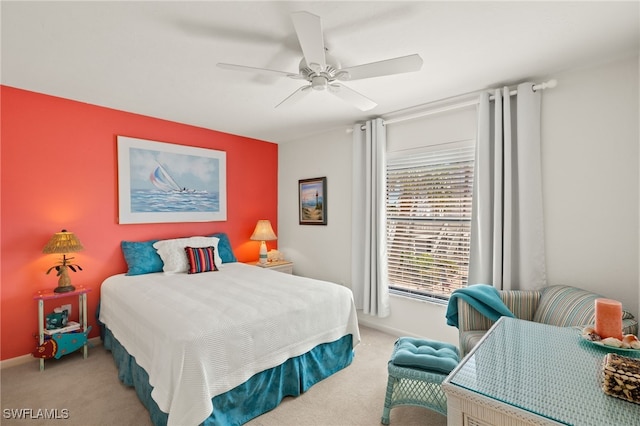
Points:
point(429, 193)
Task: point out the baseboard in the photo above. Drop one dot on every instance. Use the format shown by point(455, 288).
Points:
point(12, 362)
point(95, 341)
point(23, 359)
point(389, 330)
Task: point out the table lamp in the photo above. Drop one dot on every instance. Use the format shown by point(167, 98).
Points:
point(263, 232)
point(63, 242)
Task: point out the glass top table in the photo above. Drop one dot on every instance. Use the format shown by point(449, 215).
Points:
point(541, 372)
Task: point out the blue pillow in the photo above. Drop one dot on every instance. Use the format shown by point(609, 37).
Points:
point(141, 257)
point(224, 248)
point(429, 355)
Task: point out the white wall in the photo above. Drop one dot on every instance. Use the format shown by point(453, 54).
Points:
point(324, 252)
point(318, 251)
point(590, 174)
point(590, 154)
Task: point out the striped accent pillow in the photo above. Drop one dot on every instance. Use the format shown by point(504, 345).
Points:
point(566, 306)
point(201, 259)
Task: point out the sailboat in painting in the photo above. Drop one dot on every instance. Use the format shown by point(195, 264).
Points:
point(162, 180)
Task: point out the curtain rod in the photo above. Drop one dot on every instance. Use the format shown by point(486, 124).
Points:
point(540, 86)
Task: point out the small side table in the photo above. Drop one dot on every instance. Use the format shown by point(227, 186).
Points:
point(277, 265)
point(49, 294)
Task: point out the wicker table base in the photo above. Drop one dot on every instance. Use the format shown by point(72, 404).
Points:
point(407, 386)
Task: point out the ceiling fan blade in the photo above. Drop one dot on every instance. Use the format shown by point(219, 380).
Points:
point(258, 70)
point(351, 96)
point(309, 30)
point(296, 96)
point(399, 65)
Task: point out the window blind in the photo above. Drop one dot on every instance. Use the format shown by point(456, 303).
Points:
point(429, 196)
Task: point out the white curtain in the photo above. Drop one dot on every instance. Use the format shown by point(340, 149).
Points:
point(368, 219)
point(507, 232)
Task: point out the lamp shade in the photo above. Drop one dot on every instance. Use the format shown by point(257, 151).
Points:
point(63, 242)
point(263, 231)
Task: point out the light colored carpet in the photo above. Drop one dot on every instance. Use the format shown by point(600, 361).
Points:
point(91, 392)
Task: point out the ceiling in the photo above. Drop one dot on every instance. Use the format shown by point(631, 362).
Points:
point(158, 58)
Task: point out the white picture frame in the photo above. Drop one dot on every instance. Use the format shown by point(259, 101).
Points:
point(162, 182)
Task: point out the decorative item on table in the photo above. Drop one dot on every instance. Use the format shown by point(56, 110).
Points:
point(608, 318)
point(274, 256)
point(71, 326)
point(63, 242)
point(263, 232)
point(59, 344)
point(621, 377)
point(628, 341)
point(56, 320)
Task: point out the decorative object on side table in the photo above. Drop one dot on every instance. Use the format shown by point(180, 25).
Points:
point(263, 232)
point(312, 197)
point(63, 242)
point(57, 345)
point(629, 342)
point(620, 377)
point(608, 318)
point(56, 320)
point(277, 265)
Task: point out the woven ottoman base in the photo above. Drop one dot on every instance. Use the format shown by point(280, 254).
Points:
point(410, 385)
point(407, 386)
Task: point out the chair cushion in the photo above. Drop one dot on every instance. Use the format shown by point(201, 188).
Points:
point(566, 306)
point(429, 355)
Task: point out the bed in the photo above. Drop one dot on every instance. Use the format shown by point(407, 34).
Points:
point(222, 347)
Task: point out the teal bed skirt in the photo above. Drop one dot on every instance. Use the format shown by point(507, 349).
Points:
point(261, 393)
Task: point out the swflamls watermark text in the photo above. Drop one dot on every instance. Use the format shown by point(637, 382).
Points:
point(35, 413)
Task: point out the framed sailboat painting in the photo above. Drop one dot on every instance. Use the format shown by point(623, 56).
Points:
point(163, 182)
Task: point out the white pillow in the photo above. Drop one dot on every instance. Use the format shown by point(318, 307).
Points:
point(174, 257)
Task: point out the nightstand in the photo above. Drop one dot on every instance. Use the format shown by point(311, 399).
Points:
point(80, 336)
point(277, 265)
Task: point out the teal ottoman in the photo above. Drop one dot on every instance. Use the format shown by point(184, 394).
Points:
point(416, 369)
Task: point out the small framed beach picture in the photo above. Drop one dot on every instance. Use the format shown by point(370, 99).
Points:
point(312, 197)
point(162, 182)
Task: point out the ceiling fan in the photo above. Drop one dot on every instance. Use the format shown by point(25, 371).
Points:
point(323, 72)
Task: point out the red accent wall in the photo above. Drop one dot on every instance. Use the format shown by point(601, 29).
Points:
point(59, 170)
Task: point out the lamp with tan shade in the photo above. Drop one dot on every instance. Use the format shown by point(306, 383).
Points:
point(63, 242)
point(263, 232)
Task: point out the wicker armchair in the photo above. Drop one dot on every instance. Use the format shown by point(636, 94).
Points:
point(562, 306)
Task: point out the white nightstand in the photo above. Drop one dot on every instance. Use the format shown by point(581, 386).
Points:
point(277, 265)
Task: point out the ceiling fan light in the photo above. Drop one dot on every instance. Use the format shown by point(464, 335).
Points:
point(319, 83)
point(315, 67)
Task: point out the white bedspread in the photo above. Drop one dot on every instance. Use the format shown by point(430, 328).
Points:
point(201, 335)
